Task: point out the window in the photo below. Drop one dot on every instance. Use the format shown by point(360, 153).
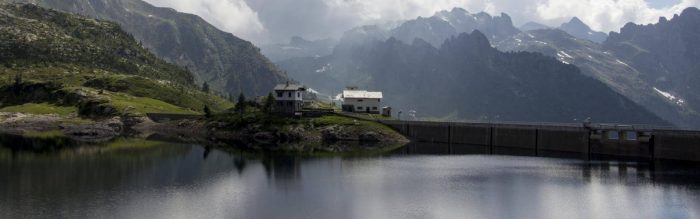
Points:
point(289, 103)
point(279, 94)
point(289, 94)
point(374, 108)
point(631, 136)
point(359, 100)
point(613, 135)
point(379, 100)
point(298, 94)
point(359, 108)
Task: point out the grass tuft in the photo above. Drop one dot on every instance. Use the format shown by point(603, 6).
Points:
point(44, 134)
point(41, 108)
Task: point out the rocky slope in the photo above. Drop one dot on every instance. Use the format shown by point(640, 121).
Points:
point(227, 63)
point(596, 62)
point(667, 55)
point(90, 64)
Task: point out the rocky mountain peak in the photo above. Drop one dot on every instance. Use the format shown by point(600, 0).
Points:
point(475, 43)
point(459, 10)
point(577, 24)
point(579, 29)
point(691, 11)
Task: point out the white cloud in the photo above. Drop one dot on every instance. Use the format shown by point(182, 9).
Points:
point(607, 15)
point(277, 20)
point(234, 16)
point(373, 11)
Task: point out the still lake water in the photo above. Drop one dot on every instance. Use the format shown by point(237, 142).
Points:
point(169, 180)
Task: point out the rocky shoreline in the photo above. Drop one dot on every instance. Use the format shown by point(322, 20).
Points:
point(79, 130)
point(298, 137)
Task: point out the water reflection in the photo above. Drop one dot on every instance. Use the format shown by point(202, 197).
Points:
point(136, 178)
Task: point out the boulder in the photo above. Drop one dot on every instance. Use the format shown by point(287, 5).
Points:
point(331, 133)
point(369, 137)
point(265, 137)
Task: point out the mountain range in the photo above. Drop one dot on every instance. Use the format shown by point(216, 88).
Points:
point(601, 64)
point(621, 63)
point(469, 79)
point(435, 29)
point(666, 54)
point(227, 63)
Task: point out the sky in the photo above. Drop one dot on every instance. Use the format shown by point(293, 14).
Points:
point(275, 21)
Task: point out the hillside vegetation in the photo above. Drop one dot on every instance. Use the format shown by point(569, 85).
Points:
point(227, 63)
point(62, 59)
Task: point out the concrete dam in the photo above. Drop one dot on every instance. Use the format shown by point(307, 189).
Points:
point(644, 142)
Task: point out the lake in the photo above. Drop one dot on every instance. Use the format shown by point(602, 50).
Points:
point(133, 178)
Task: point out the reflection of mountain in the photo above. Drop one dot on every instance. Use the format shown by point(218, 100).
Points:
point(468, 79)
point(76, 171)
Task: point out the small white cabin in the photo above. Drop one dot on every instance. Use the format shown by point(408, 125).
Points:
point(362, 101)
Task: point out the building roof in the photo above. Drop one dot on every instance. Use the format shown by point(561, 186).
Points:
point(362, 94)
point(289, 87)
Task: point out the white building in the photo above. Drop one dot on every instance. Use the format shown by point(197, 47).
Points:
point(355, 100)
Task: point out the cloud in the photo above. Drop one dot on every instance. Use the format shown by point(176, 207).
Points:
point(608, 15)
point(234, 16)
point(265, 21)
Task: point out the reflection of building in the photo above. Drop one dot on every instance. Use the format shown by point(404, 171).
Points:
point(284, 171)
point(355, 100)
point(289, 98)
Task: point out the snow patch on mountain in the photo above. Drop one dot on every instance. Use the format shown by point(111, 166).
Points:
point(623, 63)
point(562, 53)
point(670, 97)
point(324, 68)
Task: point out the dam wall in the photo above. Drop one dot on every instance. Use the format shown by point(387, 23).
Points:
point(613, 140)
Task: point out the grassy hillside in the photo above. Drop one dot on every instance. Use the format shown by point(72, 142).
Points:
point(227, 63)
point(63, 59)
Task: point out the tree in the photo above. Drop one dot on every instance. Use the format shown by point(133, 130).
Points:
point(241, 104)
point(207, 111)
point(18, 79)
point(269, 103)
point(205, 87)
point(17, 87)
